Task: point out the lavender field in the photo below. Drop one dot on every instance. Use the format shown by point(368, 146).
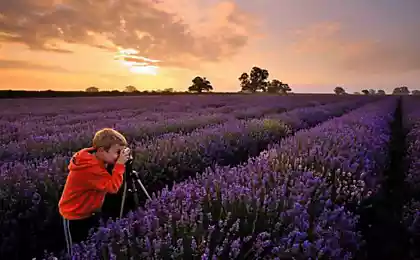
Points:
point(232, 176)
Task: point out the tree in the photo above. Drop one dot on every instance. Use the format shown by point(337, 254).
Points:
point(245, 82)
point(372, 92)
point(365, 91)
point(415, 92)
point(275, 86)
point(401, 91)
point(92, 89)
point(257, 80)
point(200, 84)
point(168, 90)
point(339, 91)
point(381, 92)
point(286, 88)
point(130, 89)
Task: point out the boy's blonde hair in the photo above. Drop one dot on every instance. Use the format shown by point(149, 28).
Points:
point(108, 137)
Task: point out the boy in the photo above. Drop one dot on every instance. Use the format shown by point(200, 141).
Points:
point(89, 181)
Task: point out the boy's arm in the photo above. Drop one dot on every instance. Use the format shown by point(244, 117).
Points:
point(101, 180)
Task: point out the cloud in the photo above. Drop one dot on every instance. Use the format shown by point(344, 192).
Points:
point(20, 64)
point(378, 57)
point(144, 25)
point(331, 43)
point(27, 65)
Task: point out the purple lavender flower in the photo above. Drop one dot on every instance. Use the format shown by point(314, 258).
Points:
point(411, 210)
point(277, 203)
point(176, 156)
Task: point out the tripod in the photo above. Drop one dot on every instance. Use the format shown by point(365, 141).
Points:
point(132, 183)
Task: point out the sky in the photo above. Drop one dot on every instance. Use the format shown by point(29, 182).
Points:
point(158, 44)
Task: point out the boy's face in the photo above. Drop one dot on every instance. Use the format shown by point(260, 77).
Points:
point(112, 154)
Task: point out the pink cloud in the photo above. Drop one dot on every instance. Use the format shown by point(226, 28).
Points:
point(150, 27)
point(329, 42)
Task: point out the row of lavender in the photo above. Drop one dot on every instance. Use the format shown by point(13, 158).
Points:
point(180, 156)
point(22, 109)
point(411, 212)
point(30, 191)
point(62, 139)
point(176, 156)
point(44, 125)
point(123, 107)
point(126, 109)
point(287, 202)
point(40, 126)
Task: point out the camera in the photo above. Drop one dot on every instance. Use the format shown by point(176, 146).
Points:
point(131, 156)
point(129, 162)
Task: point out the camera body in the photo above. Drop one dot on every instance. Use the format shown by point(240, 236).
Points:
point(129, 162)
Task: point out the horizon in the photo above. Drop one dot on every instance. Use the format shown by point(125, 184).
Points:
point(314, 47)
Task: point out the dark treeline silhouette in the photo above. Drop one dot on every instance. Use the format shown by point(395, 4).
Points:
point(200, 84)
point(397, 91)
point(254, 82)
point(257, 81)
point(50, 93)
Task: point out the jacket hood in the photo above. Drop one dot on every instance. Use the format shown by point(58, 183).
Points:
point(83, 159)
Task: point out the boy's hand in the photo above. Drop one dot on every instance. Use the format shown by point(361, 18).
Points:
point(124, 156)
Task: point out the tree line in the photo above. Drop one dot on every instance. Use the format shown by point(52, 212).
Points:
point(255, 81)
point(397, 91)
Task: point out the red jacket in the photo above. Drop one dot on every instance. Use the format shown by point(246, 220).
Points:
point(87, 184)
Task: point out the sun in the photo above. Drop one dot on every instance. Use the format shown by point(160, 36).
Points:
point(149, 70)
point(137, 64)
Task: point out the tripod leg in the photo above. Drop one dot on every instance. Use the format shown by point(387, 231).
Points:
point(141, 184)
point(123, 199)
point(135, 195)
point(144, 189)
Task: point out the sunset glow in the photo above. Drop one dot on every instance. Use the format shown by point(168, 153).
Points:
point(137, 64)
point(143, 69)
point(313, 47)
